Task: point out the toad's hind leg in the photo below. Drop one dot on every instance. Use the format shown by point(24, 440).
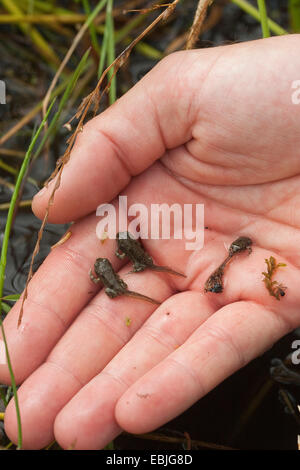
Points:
point(138, 268)
point(111, 293)
point(120, 255)
point(93, 278)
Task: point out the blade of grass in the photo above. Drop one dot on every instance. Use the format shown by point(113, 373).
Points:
point(13, 171)
point(146, 50)
point(294, 12)
point(129, 26)
point(32, 113)
point(41, 44)
point(26, 203)
point(103, 53)
point(10, 169)
point(123, 36)
point(30, 7)
point(75, 42)
point(42, 18)
point(12, 153)
point(252, 11)
point(45, 6)
point(263, 18)
point(6, 308)
point(111, 51)
point(73, 79)
point(110, 446)
point(9, 393)
point(3, 260)
point(12, 297)
point(82, 84)
point(93, 32)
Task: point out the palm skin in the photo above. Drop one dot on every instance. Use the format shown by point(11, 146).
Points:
point(216, 127)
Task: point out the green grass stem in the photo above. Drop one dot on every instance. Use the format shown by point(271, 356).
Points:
point(254, 12)
point(71, 84)
point(92, 28)
point(109, 25)
point(3, 261)
point(263, 18)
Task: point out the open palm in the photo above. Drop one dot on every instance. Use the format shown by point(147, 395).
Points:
point(216, 127)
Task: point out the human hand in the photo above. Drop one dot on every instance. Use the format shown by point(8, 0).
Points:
point(217, 127)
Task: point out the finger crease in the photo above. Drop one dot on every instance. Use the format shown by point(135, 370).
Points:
point(49, 311)
point(65, 371)
point(116, 378)
point(190, 372)
point(226, 338)
point(164, 339)
point(119, 154)
point(101, 320)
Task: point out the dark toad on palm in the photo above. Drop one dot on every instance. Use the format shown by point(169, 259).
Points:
point(215, 281)
point(130, 247)
point(114, 285)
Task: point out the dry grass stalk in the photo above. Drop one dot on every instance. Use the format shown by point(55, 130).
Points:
point(197, 23)
point(93, 99)
point(214, 16)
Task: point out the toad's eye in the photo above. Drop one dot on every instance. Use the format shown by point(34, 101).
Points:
point(241, 244)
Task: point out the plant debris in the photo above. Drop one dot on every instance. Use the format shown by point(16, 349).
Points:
point(275, 289)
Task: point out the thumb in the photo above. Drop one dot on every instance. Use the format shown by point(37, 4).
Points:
point(155, 115)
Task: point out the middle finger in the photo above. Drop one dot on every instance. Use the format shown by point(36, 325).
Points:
point(97, 334)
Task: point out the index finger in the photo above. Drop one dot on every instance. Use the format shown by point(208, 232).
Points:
point(56, 294)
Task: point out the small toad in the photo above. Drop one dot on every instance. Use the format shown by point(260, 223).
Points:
point(114, 285)
point(130, 247)
point(215, 281)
